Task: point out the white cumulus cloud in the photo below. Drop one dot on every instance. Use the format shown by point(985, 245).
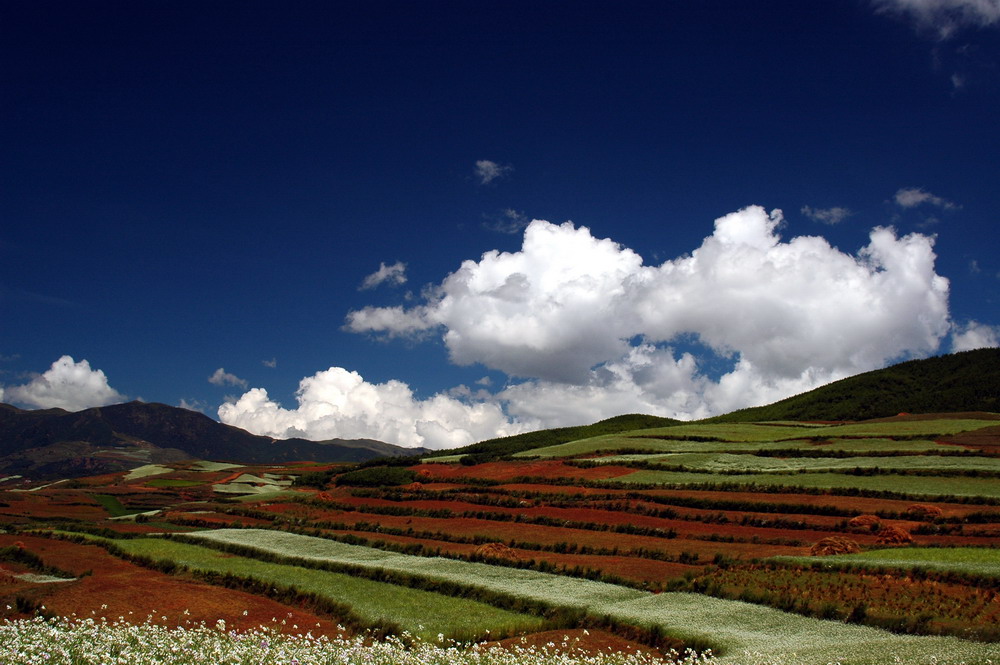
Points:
point(337, 403)
point(587, 331)
point(223, 378)
point(593, 330)
point(67, 384)
point(974, 335)
point(394, 274)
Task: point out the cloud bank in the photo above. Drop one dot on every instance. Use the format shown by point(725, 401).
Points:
point(337, 403)
point(67, 384)
point(589, 331)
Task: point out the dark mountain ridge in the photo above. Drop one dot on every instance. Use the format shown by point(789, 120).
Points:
point(54, 442)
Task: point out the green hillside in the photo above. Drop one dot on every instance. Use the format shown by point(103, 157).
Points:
point(960, 382)
point(508, 445)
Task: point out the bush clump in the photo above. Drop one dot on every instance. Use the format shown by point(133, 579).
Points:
point(377, 476)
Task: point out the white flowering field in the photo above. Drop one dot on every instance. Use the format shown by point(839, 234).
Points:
point(89, 642)
point(735, 628)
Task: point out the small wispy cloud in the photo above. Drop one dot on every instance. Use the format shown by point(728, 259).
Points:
point(974, 335)
point(911, 197)
point(487, 171)
point(223, 378)
point(193, 405)
point(831, 216)
point(272, 363)
point(394, 274)
point(943, 19)
point(509, 221)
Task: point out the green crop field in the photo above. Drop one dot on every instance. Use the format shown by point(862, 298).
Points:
point(732, 627)
point(173, 482)
point(972, 560)
point(912, 485)
point(422, 613)
point(715, 462)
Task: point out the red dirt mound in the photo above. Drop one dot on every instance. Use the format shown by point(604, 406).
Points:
point(864, 522)
point(834, 545)
point(924, 510)
point(891, 535)
point(496, 551)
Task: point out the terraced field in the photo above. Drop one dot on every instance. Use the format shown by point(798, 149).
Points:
point(734, 537)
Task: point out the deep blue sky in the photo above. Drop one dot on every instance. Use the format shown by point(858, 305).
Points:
point(188, 186)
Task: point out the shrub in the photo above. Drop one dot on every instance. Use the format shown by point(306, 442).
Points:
point(377, 476)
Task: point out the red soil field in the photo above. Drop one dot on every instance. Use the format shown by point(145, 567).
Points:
point(630, 568)
point(118, 589)
point(589, 642)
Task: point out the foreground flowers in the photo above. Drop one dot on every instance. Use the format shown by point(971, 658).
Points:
point(78, 642)
point(63, 641)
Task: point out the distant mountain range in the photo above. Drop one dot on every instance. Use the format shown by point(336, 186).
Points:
point(53, 443)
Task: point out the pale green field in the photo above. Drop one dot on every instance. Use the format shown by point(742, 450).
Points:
point(146, 470)
point(422, 613)
point(205, 465)
point(928, 428)
point(714, 462)
point(917, 485)
point(973, 560)
point(766, 436)
point(735, 628)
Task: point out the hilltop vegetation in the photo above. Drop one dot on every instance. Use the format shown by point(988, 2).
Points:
point(967, 381)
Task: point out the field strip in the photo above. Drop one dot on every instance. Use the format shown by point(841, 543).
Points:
point(715, 462)
point(732, 626)
point(910, 485)
point(970, 560)
point(422, 613)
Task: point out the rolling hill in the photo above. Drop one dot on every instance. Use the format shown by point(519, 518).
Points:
point(57, 443)
point(959, 382)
